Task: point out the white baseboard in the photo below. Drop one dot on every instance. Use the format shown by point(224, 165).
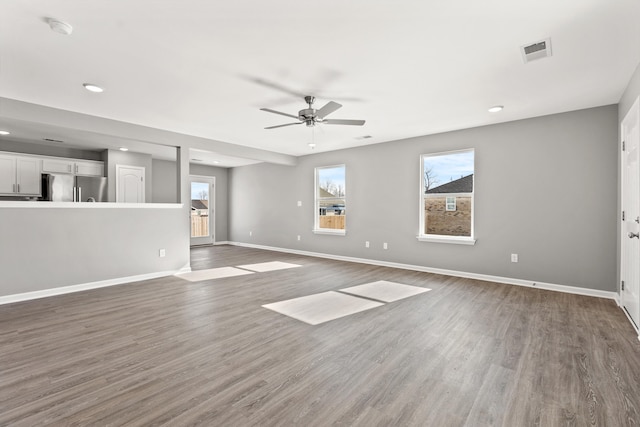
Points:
point(8, 299)
point(224, 242)
point(485, 277)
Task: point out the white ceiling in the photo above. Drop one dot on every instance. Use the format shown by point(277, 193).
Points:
point(205, 68)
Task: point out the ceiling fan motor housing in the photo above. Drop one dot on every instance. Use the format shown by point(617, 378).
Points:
point(307, 115)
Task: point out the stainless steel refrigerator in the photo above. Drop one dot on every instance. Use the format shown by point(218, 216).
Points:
point(70, 188)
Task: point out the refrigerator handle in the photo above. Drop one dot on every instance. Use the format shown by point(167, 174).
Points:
point(74, 194)
point(79, 194)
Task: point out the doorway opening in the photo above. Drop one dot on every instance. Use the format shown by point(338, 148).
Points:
point(202, 210)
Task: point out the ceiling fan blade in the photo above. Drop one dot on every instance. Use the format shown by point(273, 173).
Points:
point(269, 110)
point(281, 126)
point(343, 122)
point(328, 109)
point(276, 86)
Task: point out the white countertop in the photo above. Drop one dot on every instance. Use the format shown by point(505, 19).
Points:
point(86, 205)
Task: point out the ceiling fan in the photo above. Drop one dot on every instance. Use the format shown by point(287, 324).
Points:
point(310, 116)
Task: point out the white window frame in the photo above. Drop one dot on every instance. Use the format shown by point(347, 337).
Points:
point(438, 238)
point(450, 206)
point(317, 199)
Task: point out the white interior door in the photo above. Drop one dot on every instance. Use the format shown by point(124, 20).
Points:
point(630, 240)
point(202, 210)
point(129, 184)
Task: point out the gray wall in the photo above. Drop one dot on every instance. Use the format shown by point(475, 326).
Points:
point(164, 188)
point(545, 188)
point(43, 248)
point(116, 157)
point(164, 181)
point(48, 150)
point(222, 197)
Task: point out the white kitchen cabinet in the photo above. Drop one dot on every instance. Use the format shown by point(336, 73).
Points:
point(89, 168)
point(19, 176)
point(7, 174)
point(57, 166)
point(74, 167)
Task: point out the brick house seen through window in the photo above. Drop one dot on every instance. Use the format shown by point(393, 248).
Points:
point(448, 208)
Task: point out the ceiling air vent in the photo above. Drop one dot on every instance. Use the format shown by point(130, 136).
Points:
point(53, 140)
point(537, 50)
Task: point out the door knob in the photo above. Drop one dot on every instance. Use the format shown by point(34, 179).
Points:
point(632, 235)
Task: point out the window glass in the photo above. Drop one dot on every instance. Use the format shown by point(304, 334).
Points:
point(447, 194)
point(330, 198)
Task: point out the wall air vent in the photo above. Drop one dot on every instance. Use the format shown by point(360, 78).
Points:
point(538, 50)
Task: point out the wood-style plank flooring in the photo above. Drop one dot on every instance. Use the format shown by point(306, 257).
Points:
point(171, 352)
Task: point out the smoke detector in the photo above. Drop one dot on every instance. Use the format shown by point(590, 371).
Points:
point(538, 50)
point(59, 26)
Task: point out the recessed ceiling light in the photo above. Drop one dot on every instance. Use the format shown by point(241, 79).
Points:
point(5, 132)
point(312, 145)
point(496, 108)
point(59, 26)
point(124, 149)
point(215, 162)
point(93, 88)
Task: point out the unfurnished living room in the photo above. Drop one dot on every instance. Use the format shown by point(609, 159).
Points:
point(319, 214)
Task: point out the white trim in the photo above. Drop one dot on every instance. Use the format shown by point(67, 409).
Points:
point(224, 242)
point(26, 296)
point(633, 325)
point(211, 238)
point(100, 205)
point(455, 240)
point(634, 111)
point(485, 277)
point(317, 198)
point(329, 231)
point(423, 195)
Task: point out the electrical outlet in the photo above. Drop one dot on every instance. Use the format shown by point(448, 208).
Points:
point(366, 244)
point(298, 237)
point(299, 203)
point(385, 246)
point(162, 253)
point(250, 233)
point(514, 257)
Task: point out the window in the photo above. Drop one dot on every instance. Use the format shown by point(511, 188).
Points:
point(446, 197)
point(451, 204)
point(330, 206)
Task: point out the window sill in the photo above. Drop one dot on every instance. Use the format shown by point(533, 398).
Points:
point(329, 231)
point(448, 239)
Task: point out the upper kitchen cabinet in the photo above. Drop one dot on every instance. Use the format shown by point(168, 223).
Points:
point(89, 168)
point(57, 166)
point(71, 166)
point(19, 176)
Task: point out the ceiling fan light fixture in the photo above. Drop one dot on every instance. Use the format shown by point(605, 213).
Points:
point(496, 108)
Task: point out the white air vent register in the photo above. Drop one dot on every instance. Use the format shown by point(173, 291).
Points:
point(538, 50)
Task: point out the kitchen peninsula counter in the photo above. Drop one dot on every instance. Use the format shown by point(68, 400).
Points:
point(28, 204)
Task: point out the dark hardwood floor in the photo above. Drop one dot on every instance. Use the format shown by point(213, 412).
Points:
point(171, 352)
